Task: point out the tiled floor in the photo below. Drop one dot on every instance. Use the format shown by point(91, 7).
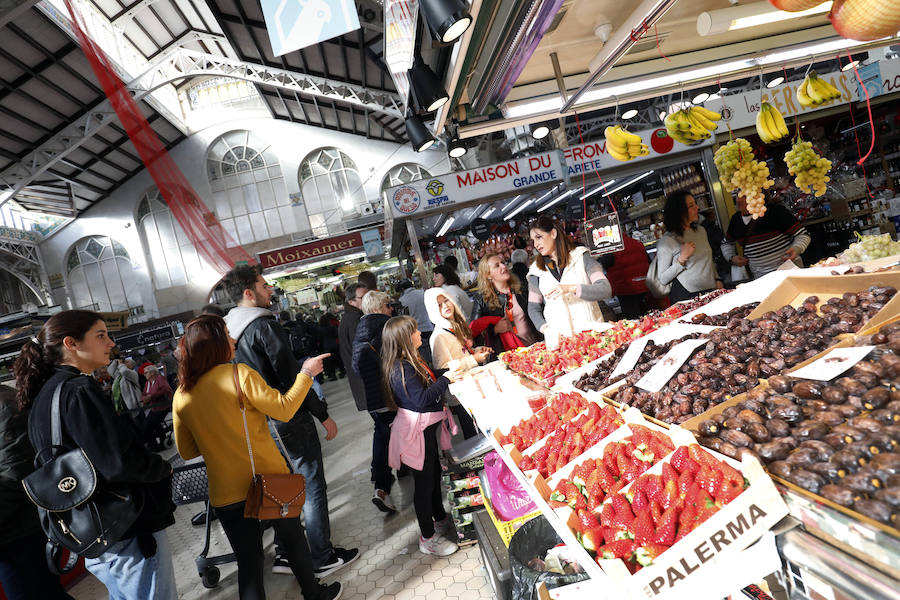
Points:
point(390, 567)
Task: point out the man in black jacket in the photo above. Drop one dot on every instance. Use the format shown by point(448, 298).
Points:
point(366, 362)
point(346, 333)
point(264, 345)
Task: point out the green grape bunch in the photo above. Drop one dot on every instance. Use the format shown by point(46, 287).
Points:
point(751, 178)
point(870, 247)
point(729, 157)
point(808, 168)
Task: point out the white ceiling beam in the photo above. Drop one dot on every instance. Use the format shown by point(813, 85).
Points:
point(177, 65)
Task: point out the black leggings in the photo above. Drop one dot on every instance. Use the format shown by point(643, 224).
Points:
point(245, 536)
point(427, 497)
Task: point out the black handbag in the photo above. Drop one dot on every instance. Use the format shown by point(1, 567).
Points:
point(78, 511)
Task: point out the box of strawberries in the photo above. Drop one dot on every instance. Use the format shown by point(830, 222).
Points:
point(681, 517)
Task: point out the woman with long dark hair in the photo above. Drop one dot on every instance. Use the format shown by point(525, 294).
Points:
point(418, 394)
point(684, 257)
point(208, 422)
point(564, 283)
point(69, 347)
point(500, 313)
point(446, 278)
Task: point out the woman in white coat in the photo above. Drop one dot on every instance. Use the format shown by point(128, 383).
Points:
point(452, 346)
point(564, 283)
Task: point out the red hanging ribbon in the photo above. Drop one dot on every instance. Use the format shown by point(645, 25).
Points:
point(862, 159)
point(205, 232)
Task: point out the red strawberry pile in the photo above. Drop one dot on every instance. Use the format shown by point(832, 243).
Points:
point(622, 462)
point(544, 366)
point(659, 510)
point(573, 439)
point(562, 409)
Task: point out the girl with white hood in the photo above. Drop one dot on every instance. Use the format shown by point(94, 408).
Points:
point(452, 346)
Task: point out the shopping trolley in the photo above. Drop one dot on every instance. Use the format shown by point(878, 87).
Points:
point(189, 485)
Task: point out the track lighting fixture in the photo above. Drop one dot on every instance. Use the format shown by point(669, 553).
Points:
point(447, 19)
point(419, 136)
point(427, 87)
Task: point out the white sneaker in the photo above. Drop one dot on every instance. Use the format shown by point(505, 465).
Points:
point(383, 501)
point(437, 545)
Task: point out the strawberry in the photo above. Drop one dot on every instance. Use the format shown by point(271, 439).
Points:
point(621, 521)
point(583, 471)
point(728, 490)
point(670, 494)
point(686, 519)
point(642, 527)
point(702, 456)
point(656, 511)
point(669, 473)
point(594, 411)
point(645, 554)
point(526, 464)
point(607, 513)
point(617, 549)
point(621, 505)
point(706, 507)
point(665, 528)
point(653, 487)
point(684, 482)
point(586, 520)
point(709, 480)
point(592, 539)
point(640, 502)
point(679, 459)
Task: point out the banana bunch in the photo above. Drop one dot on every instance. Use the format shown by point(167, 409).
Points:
point(692, 125)
point(623, 145)
point(770, 124)
point(815, 91)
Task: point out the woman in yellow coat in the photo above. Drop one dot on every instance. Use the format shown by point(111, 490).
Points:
point(208, 422)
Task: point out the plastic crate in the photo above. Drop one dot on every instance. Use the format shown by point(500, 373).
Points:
point(506, 529)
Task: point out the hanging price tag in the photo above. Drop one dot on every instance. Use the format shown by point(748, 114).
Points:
point(662, 371)
point(833, 364)
point(631, 356)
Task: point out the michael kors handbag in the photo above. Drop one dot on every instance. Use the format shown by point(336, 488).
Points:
point(278, 496)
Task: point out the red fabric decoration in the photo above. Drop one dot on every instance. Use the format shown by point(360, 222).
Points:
point(212, 242)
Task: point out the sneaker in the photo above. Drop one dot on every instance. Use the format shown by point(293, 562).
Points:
point(446, 528)
point(437, 545)
point(383, 501)
point(332, 591)
point(340, 558)
point(281, 566)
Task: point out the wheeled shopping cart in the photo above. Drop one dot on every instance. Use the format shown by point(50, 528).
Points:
point(189, 485)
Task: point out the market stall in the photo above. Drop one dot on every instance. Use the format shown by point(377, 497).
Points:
point(631, 464)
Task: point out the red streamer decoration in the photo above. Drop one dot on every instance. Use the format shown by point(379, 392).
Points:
point(658, 49)
point(862, 159)
point(201, 226)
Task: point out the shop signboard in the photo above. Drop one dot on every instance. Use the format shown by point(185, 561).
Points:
point(592, 157)
point(155, 335)
point(604, 234)
point(740, 110)
point(319, 249)
point(503, 179)
point(372, 244)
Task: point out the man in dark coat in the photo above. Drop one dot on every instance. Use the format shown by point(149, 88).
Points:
point(366, 362)
point(264, 345)
point(346, 333)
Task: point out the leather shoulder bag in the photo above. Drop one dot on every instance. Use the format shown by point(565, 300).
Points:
point(275, 496)
point(77, 510)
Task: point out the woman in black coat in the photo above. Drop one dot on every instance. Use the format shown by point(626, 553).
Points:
point(69, 347)
point(500, 309)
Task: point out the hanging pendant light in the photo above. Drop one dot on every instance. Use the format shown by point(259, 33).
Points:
point(427, 87)
point(419, 136)
point(447, 19)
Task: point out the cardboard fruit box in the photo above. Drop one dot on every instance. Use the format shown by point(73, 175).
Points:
point(736, 526)
point(793, 290)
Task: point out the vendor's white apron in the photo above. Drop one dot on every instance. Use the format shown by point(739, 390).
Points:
point(567, 314)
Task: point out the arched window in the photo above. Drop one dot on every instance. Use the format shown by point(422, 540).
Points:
point(170, 253)
point(331, 188)
point(248, 192)
point(404, 173)
point(101, 276)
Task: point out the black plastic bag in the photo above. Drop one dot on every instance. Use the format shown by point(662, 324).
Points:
point(532, 540)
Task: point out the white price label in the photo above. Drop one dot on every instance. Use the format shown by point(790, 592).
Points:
point(833, 364)
point(662, 371)
point(631, 356)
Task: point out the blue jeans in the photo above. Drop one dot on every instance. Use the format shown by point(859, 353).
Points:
point(129, 576)
point(381, 439)
point(305, 457)
point(316, 386)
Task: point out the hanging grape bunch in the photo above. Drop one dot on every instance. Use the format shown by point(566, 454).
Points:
point(808, 168)
point(739, 170)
